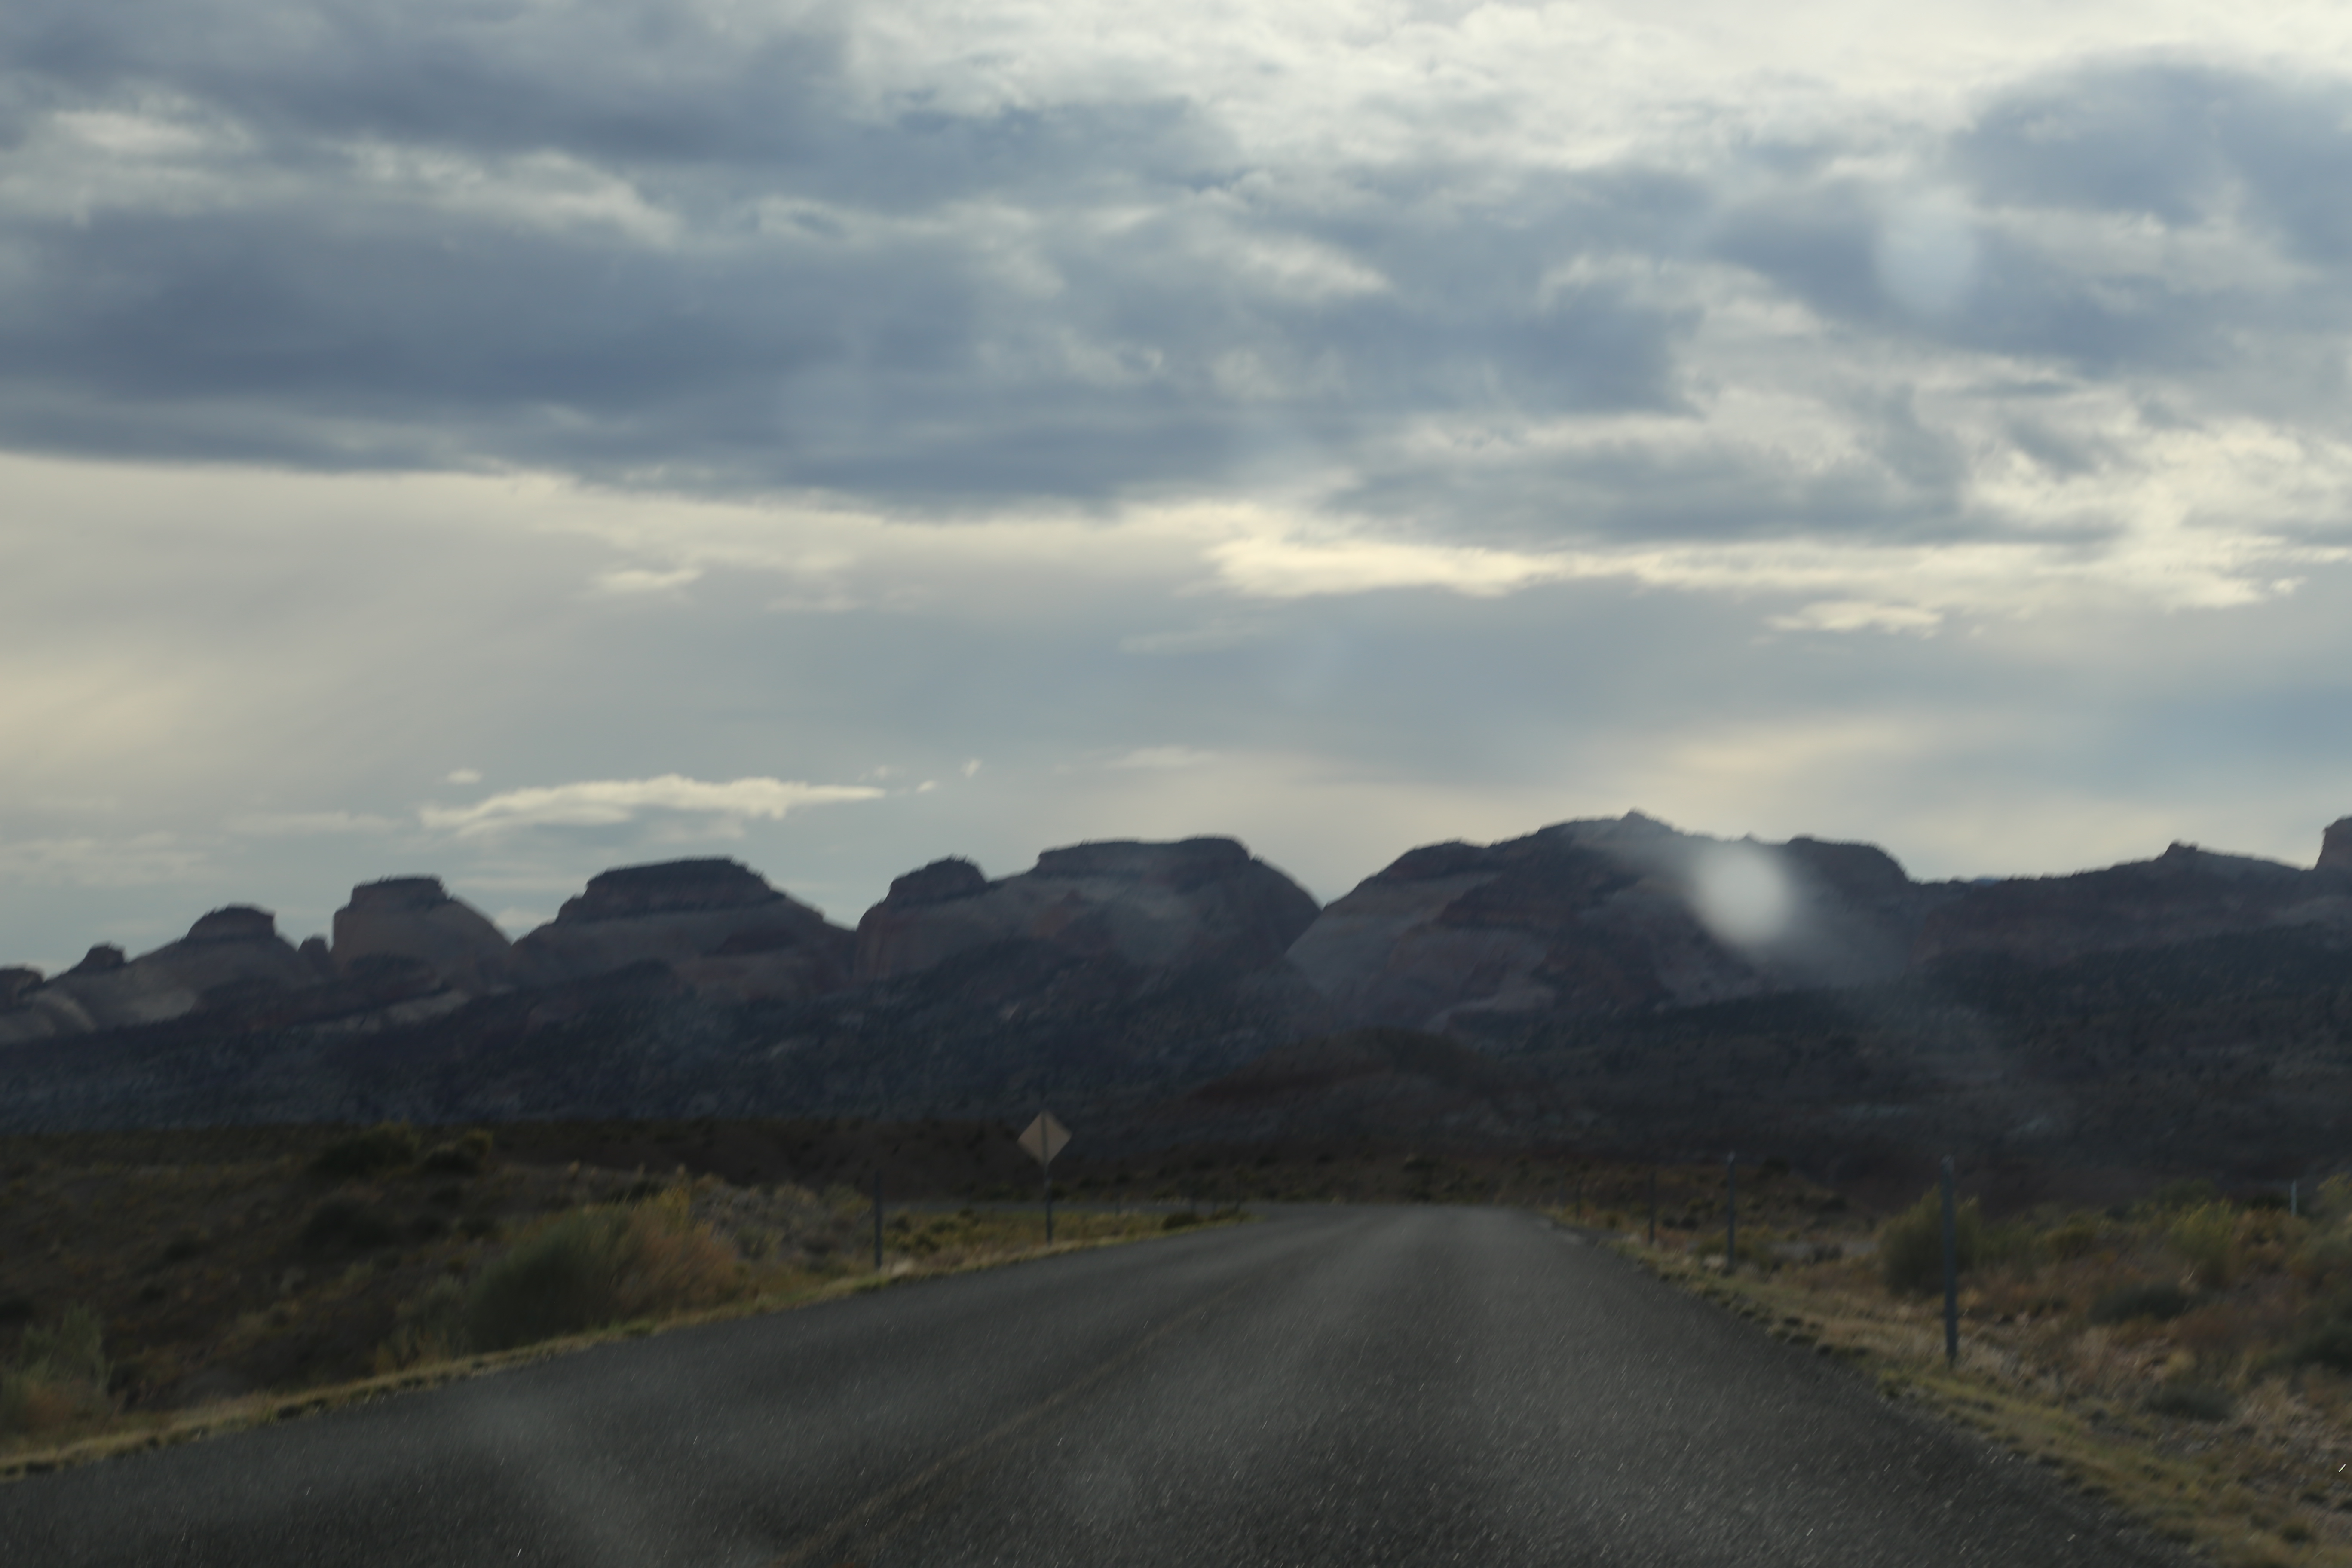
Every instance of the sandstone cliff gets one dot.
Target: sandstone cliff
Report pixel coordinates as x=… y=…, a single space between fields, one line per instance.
x=228 y=955
x=2335 y=846
x=1600 y=916
x=2186 y=894
x=1203 y=903
x=414 y=918
x=717 y=924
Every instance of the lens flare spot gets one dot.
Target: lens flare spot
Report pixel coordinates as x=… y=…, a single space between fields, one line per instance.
x=1741 y=895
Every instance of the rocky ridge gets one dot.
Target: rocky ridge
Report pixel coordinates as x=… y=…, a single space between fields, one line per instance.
x=1158 y=907
x=1642 y=975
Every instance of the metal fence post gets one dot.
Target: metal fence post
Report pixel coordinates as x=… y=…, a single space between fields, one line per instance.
x=1951 y=1271
x=878 y=1219
x=1654 y=1204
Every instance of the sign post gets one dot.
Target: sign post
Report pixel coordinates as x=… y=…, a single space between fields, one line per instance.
x=1044 y=1138
x=1731 y=1212
x=1951 y=1271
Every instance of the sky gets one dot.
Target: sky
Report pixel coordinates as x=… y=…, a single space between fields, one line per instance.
x=506 y=439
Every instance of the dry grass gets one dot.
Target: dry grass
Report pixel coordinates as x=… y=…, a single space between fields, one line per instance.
x=2185 y=1360
x=145 y=1303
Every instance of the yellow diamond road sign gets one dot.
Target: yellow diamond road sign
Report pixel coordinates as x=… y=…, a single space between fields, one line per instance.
x=1044 y=1138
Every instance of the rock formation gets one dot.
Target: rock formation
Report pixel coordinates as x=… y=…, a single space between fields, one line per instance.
x=718 y=924
x=2186 y=894
x=228 y=953
x=2335 y=846
x=416 y=917
x=1600 y=916
x=1645 y=977
x=1160 y=908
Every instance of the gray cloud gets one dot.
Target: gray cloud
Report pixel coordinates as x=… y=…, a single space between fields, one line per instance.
x=741 y=271
x=1980 y=385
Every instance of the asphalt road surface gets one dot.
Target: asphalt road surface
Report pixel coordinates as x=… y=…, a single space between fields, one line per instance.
x=1349 y=1386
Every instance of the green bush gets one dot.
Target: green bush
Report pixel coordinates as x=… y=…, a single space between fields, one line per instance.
x=1911 y=1245
x=2207 y=1238
x=592 y=1267
x=2160 y=1300
x=1179 y=1219
x=562 y=1280
x=392 y=1146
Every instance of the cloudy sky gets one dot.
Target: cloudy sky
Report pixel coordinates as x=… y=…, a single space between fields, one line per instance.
x=507 y=438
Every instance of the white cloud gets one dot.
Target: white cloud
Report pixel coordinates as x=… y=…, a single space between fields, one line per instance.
x=626 y=581
x=604 y=803
x=1858 y=615
x=1285 y=567
x=462 y=777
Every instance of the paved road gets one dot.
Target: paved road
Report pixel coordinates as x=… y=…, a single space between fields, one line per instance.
x=1332 y=1386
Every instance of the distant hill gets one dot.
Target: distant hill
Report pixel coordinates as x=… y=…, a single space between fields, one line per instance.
x=1610 y=983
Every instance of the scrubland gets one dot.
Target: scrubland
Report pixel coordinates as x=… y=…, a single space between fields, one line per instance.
x=143 y=1299
x=2186 y=1358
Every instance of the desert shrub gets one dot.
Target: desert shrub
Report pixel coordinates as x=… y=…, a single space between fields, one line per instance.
x=72 y=1347
x=430 y=1327
x=60 y=1375
x=2324 y=1256
x=596 y=1267
x=2160 y=1299
x=1911 y=1245
x=2191 y=1193
x=392 y=1146
x=2331 y=1202
x=2207 y=1239
x=1179 y=1219
x=2194 y=1401
x=464 y=1157
x=2073 y=1239
x=1755 y=1248
x=348 y=1222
